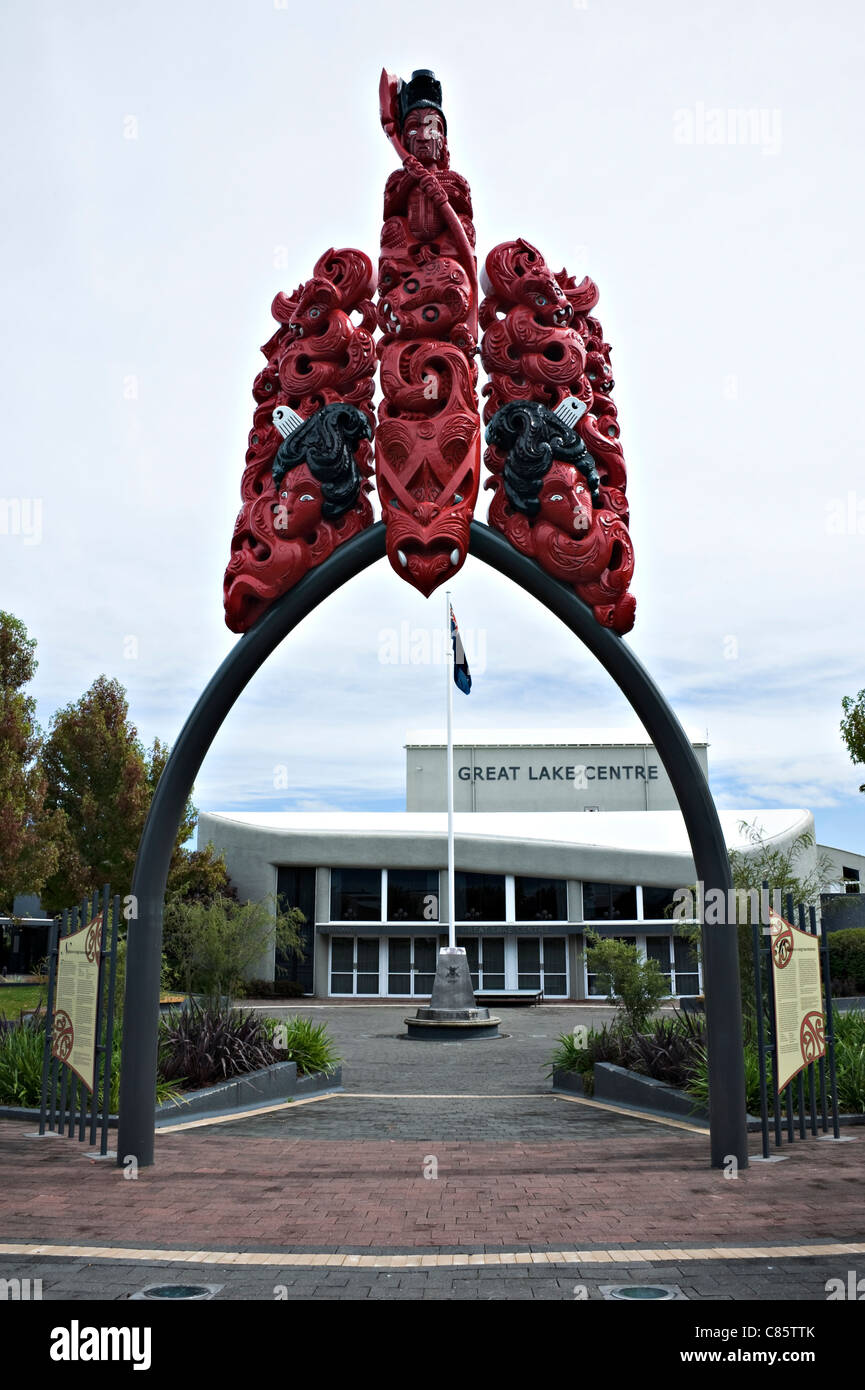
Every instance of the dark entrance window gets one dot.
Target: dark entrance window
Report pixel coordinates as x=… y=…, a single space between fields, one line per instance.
x=609 y=902
x=355 y=895
x=480 y=898
x=412 y=895
x=541 y=899
x=296 y=888
x=658 y=904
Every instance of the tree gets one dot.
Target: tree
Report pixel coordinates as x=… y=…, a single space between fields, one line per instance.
x=213 y=946
x=636 y=986
x=199 y=876
x=853 y=727
x=29 y=835
x=102 y=780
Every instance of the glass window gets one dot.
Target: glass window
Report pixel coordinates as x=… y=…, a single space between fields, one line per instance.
x=609 y=902
x=470 y=946
x=480 y=898
x=658 y=950
x=687 y=970
x=367 y=965
x=412 y=895
x=295 y=887
x=529 y=962
x=342 y=965
x=541 y=899
x=425 y=950
x=355 y=895
x=555 y=965
x=658 y=904
x=399 y=965
x=493 y=961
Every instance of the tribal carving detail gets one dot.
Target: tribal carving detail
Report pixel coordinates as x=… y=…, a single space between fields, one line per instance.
x=559 y=483
x=553 y=450
x=305 y=482
x=428 y=436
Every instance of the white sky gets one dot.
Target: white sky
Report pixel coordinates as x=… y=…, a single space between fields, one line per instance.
x=138 y=278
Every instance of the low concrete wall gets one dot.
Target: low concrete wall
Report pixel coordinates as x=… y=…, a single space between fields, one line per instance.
x=268 y=1086
x=622 y=1087
x=618 y=1086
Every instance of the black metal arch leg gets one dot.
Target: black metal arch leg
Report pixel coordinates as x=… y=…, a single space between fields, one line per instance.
x=720 y=945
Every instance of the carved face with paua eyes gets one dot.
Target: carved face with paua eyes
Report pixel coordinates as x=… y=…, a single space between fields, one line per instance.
x=565 y=500
x=297 y=510
x=424 y=135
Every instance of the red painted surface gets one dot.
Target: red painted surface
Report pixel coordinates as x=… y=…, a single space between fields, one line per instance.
x=542 y=343
x=427 y=443
x=317 y=356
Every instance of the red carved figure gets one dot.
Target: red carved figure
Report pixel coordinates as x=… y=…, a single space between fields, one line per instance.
x=304 y=485
x=558 y=470
x=428 y=436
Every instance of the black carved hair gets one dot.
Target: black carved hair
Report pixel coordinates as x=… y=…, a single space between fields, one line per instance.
x=326 y=443
x=422 y=89
x=532 y=437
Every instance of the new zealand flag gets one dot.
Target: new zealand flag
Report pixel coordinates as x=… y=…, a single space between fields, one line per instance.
x=462 y=674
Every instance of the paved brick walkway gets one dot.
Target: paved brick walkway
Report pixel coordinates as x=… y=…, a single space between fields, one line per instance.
x=516 y=1171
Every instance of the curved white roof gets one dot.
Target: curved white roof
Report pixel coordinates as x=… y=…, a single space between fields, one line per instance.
x=644 y=832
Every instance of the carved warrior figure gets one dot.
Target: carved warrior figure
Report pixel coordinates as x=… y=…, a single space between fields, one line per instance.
x=427 y=453
x=309 y=454
x=559 y=488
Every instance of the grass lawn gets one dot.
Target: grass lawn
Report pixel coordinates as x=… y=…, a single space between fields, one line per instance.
x=14 y=998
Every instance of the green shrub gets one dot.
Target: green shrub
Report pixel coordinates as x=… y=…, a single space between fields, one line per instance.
x=304 y=1042
x=669 y=1050
x=22 y=1045
x=847 y=958
x=202 y=1046
x=604 y=1045
x=849 y=1071
x=636 y=986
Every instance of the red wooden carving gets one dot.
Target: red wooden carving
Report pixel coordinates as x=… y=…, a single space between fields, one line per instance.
x=428 y=437
x=542 y=344
x=317 y=357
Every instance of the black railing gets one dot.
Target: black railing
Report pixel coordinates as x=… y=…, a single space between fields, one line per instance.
x=66 y=1097
x=794 y=1108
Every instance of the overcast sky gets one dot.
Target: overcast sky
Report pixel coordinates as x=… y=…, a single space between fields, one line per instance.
x=169 y=166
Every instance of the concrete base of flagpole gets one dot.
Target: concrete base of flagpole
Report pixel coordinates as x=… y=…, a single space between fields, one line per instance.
x=452 y=1014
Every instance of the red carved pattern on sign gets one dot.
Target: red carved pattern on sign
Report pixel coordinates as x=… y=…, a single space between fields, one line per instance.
x=62 y=1035
x=782 y=942
x=542 y=343
x=812 y=1036
x=93 y=940
x=317 y=356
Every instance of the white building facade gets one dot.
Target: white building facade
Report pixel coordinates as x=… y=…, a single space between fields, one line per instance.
x=556 y=834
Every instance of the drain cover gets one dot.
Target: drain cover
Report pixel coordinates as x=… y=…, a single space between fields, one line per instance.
x=187 y=1291
x=634 y=1293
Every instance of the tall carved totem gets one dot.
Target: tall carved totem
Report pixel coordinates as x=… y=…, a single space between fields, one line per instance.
x=556 y=463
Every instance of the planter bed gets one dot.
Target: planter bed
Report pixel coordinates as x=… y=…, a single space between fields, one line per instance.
x=257 y=1088
x=629 y=1089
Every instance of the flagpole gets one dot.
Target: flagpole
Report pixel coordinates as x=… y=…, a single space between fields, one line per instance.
x=449 y=670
